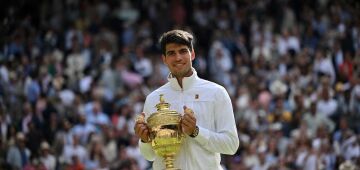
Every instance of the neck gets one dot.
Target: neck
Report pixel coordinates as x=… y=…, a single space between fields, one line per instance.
x=179 y=80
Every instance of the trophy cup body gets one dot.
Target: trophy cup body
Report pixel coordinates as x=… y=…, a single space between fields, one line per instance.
x=165 y=132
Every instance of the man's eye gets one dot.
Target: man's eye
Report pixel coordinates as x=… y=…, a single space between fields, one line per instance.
x=170 y=53
x=183 y=52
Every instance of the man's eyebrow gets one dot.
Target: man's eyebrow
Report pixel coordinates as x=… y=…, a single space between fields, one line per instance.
x=182 y=49
x=170 y=51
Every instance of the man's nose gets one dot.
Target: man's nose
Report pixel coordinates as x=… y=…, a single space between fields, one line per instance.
x=178 y=57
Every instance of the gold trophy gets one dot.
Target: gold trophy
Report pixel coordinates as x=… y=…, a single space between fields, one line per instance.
x=165 y=132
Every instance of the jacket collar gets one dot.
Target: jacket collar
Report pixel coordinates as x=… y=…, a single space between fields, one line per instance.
x=187 y=82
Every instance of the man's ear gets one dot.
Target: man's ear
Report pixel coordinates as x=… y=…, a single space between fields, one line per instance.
x=163 y=59
x=192 y=55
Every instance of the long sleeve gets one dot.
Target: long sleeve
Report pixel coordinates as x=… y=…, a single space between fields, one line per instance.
x=225 y=139
x=145 y=148
x=147 y=151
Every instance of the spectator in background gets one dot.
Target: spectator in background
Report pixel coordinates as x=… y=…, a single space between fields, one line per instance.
x=97 y=117
x=324 y=66
x=83 y=129
x=355 y=98
x=96 y=155
x=326 y=104
x=220 y=61
x=18 y=155
x=74 y=153
x=46 y=157
x=133 y=151
x=4 y=126
x=33 y=139
x=27 y=117
x=142 y=64
x=314 y=119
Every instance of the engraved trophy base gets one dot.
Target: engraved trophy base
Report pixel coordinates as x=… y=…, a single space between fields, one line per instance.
x=169 y=162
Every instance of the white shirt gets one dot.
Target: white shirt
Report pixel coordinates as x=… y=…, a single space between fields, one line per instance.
x=49 y=161
x=215 y=119
x=70 y=150
x=313 y=122
x=144 y=67
x=327 y=108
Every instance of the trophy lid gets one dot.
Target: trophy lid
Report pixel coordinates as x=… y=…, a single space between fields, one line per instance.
x=163 y=116
x=162 y=105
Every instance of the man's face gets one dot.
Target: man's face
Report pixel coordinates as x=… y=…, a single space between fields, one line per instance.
x=178 y=58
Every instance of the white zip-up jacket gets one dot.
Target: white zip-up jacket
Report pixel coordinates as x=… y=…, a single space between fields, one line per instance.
x=215 y=119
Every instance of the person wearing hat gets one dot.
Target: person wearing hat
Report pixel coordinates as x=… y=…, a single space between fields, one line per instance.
x=46 y=158
x=18 y=155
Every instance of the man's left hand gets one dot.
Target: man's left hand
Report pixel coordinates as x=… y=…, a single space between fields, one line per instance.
x=188 y=121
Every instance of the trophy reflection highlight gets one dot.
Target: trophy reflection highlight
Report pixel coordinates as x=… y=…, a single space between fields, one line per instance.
x=165 y=132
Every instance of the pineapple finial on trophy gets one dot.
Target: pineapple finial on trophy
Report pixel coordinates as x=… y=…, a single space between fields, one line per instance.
x=162 y=105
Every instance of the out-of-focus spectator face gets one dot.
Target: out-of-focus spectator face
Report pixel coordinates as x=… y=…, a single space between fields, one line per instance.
x=325 y=147
x=20 y=139
x=272 y=145
x=264 y=99
x=97 y=107
x=343 y=124
x=53 y=118
x=242 y=125
x=139 y=52
x=325 y=94
x=44 y=148
x=31 y=126
x=78 y=100
x=122 y=155
x=125 y=110
x=219 y=53
x=252 y=149
x=318 y=55
x=76 y=140
x=262 y=156
x=75 y=45
x=134 y=140
x=82 y=119
x=27 y=108
x=75 y=159
x=322 y=132
x=299 y=100
x=66 y=125
x=279 y=102
x=237 y=164
x=98 y=147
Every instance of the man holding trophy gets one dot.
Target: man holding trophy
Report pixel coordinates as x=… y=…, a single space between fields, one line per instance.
x=188 y=122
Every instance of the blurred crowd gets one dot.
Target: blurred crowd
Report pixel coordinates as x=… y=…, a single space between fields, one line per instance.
x=75 y=73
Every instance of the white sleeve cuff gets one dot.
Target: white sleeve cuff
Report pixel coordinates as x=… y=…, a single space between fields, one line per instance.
x=147 y=151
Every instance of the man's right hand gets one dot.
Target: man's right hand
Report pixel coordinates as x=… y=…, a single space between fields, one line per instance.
x=141 y=128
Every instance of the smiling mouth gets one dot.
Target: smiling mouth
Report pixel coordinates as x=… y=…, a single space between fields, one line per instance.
x=178 y=65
